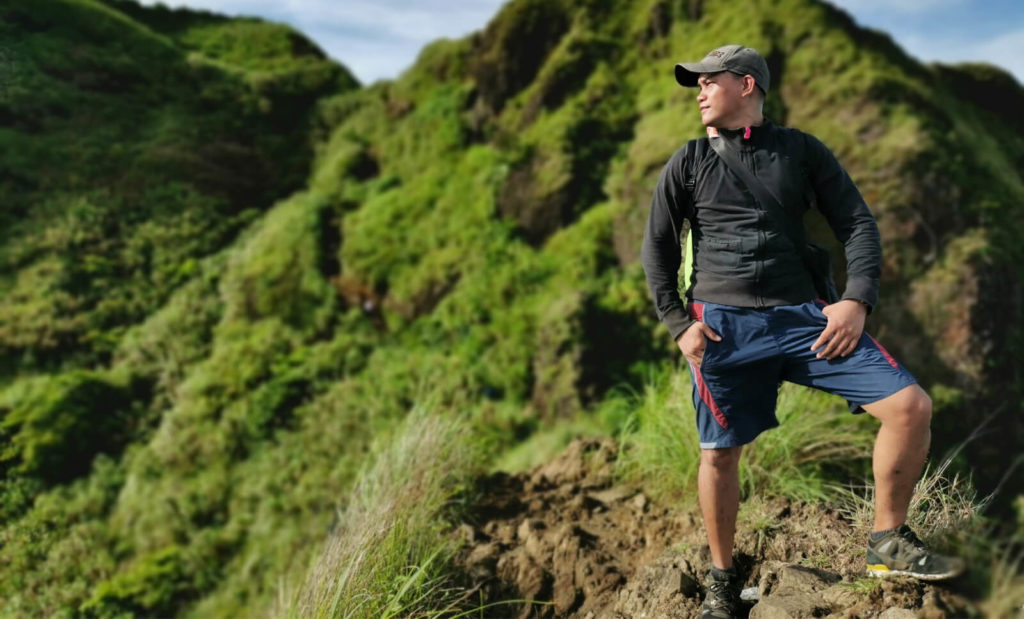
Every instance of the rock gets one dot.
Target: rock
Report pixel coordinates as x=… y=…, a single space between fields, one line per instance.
x=769 y=579
x=528 y=527
x=801 y=579
x=567 y=592
x=505 y=533
x=841 y=597
x=669 y=580
x=640 y=502
x=792 y=591
x=933 y=607
x=530 y=534
x=898 y=613
x=533 y=582
x=612 y=495
x=790 y=606
x=483 y=560
x=466 y=533
x=581 y=462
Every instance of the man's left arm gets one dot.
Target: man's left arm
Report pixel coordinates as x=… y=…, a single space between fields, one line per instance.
x=855 y=227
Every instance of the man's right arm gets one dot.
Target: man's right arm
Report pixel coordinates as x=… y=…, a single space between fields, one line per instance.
x=662 y=250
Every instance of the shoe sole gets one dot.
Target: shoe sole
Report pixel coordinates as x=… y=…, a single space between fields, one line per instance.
x=882 y=571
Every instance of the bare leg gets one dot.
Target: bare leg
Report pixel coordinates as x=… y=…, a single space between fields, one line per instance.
x=900 y=450
x=718 y=486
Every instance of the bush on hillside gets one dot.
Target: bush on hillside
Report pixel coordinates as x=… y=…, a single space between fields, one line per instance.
x=53 y=426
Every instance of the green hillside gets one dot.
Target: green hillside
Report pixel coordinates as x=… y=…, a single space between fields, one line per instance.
x=237 y=286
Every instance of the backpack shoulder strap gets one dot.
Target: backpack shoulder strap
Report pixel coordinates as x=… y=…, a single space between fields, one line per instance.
x=764 y=196
x=694 y=155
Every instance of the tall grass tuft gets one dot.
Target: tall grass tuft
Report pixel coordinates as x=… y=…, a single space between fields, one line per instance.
x=948 y=514
x=941 y=503
x=1005 y=582
x=817 y=448
x=659 y=449
x=389 y=555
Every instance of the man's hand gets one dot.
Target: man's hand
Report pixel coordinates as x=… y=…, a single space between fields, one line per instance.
x=693 y=341
x=841 y=334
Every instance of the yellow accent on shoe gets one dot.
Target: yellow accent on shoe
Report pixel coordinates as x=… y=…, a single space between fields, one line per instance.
x=878 y=568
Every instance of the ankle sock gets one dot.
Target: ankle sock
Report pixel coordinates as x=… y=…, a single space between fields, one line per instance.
x=877 y=535
x=718 y=574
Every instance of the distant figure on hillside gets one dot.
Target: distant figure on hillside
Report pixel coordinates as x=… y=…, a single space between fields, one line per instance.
x=755 y=313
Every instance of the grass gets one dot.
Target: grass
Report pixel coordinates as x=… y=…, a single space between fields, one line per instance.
x=817 y=446
x=863 y=586
x=1006 y=582
x=388 y=555
x=144 y=148
x=948 y=515
x=943 y=501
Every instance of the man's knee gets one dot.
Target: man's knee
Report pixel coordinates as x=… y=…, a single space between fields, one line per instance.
x=910 y=409
x=724 y=459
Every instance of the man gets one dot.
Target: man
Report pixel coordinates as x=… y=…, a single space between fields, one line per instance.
x=754 y=318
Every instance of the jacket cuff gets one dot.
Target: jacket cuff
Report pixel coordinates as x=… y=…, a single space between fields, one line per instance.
x=862 y=289
x=677 y=321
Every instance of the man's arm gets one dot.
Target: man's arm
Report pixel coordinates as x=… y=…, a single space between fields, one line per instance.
x=854 y=225
x=851 y=221
x=662 y=250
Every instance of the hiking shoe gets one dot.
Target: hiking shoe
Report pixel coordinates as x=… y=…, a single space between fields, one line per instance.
x=722 y=600
x=900 y=553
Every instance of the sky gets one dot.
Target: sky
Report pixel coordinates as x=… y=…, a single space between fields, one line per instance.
x=378 y=39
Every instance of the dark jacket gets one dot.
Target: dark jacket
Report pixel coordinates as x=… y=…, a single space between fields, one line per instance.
x=740 y=258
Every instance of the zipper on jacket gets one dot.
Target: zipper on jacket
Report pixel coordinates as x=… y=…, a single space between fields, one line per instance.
x=760 y=250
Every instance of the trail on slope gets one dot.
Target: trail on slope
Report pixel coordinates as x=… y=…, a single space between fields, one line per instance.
x=574 y=543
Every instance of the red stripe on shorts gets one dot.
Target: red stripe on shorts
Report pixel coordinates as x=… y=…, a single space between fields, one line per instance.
x=705 y=394
x=885 y=353
x=696 y=311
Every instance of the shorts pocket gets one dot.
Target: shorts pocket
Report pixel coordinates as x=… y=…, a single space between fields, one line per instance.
x=710 y=346
x=709 y=349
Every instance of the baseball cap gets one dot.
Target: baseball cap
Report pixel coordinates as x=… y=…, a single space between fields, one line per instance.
x=734 y=58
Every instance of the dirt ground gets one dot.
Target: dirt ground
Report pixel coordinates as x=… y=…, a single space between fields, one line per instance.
x=563 y=540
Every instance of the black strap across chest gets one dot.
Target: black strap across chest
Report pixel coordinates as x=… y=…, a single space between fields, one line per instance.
x=777 y=216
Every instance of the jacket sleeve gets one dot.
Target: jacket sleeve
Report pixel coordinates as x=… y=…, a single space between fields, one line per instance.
x=661 y=252
x=851 y=221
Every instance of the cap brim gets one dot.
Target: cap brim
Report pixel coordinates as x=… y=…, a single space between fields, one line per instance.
x=687 y=73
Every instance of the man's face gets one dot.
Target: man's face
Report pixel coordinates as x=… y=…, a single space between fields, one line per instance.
x=720 y=99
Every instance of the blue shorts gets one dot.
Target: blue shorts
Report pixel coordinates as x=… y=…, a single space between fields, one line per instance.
x=735 y=389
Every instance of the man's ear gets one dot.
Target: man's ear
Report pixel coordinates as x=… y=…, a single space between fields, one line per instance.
x=749 y=85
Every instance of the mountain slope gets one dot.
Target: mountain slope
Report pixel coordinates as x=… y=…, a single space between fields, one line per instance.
x=215 y=236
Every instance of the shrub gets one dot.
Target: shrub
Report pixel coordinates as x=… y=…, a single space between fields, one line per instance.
x=54 y=426
x=154 y=586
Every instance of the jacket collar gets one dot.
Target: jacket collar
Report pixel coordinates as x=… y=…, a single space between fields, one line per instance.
x=748 y=137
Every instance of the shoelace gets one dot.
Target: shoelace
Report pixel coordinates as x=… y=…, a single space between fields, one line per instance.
x=908 y=535
x=726 y=595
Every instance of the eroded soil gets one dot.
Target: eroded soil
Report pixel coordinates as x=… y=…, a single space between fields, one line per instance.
x=563 y=540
